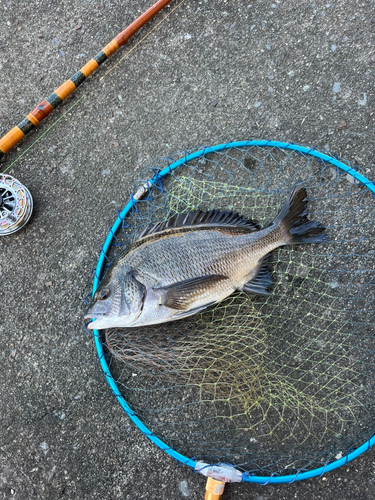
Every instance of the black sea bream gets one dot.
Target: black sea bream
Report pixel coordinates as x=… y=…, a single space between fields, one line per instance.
x=179 y=267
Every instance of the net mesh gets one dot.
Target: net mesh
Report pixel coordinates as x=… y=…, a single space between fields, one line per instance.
x=270 y=385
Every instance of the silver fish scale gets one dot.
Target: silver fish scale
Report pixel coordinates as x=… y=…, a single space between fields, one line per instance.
x=199 y=253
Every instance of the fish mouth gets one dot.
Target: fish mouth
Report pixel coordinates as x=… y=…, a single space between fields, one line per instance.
x=95 y=316
x=97 y=312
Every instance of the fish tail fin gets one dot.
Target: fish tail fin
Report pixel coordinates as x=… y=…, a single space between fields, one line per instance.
x=293 y=218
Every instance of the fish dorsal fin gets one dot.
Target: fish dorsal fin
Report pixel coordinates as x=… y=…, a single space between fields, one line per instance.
x=192 y=221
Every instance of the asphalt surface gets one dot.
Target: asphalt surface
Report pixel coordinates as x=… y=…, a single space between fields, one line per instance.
x=212 y=72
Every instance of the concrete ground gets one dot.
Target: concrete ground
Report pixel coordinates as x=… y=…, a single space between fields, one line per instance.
x=214 y=71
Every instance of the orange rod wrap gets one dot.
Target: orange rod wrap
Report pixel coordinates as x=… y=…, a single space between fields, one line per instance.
x=48 y=105
x=11 y=139
x=111 y=48
x=65 y=89
x=89 y=67
x=33 y=120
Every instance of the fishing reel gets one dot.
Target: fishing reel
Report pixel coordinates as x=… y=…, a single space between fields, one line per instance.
x=16 y=205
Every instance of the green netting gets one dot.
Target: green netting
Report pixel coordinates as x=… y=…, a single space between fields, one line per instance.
x=274 y=384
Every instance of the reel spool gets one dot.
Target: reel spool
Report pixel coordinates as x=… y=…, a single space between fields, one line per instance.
x=16 y=205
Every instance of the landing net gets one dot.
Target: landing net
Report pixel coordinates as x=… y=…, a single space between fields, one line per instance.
x=274 y=385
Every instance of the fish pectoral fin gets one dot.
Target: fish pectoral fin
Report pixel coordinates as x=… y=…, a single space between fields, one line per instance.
x=261 y=280
x=184 y=314
x=183 y=294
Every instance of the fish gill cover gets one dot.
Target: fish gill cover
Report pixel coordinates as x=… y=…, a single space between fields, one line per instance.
x=275 y=384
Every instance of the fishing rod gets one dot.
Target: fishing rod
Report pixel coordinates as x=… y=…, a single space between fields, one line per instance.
x=32 y=120
x=16 y=202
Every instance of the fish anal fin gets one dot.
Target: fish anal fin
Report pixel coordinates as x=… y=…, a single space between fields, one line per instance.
x=182 y=295
x=261 y=280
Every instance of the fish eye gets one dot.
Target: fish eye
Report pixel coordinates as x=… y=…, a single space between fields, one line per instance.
x=103 y=294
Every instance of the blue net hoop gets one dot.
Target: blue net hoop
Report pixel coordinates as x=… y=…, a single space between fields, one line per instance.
x=274 y=478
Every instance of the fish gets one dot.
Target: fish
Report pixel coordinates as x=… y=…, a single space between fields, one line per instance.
x=181 y=266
